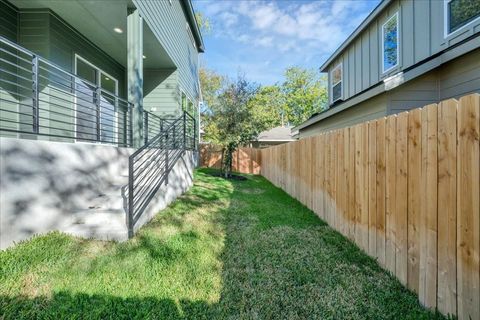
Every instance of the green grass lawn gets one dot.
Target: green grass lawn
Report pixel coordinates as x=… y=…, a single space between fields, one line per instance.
x=224 y=250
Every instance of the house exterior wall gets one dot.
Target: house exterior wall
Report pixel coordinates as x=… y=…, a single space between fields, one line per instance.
x=8 y=21
x=168 y=22
x=368 y=110
x=163 y=97
x=421 y=35
x=451 y=80
x=75 y=188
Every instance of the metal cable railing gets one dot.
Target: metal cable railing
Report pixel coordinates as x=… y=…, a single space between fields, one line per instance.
x=40 y=98
x=149 y=166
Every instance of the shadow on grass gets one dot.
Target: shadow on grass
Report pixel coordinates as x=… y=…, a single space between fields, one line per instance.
x=278 y=261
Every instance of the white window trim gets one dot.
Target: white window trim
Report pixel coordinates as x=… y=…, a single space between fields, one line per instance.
x=446 y=21
x=396 y=15
x=98 y=83
x=340 y=65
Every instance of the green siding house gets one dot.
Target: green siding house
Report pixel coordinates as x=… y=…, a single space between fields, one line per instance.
x=404 y=55
x=138 y=53
x=98 y=114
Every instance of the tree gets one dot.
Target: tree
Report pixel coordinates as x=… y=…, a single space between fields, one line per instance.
x=305 y=93
x=268 y=107
x=210 y=84
x=203 y=23
x=230 y=121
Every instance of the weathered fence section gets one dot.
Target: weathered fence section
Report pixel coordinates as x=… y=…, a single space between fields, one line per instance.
x=406 y=189
x=245 y=160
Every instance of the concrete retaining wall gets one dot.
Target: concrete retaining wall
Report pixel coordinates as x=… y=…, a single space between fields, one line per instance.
x=75 y=188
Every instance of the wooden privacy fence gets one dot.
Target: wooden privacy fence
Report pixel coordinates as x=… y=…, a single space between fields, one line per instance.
x=245 y=160
x=406 y=189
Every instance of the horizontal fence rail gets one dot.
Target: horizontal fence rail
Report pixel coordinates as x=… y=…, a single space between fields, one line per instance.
x=40 y=98
x=150 y=165
x=405 y=189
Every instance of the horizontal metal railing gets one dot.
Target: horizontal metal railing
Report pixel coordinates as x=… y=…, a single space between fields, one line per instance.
x=153 y=124
x=38 y=97
x=150 y=165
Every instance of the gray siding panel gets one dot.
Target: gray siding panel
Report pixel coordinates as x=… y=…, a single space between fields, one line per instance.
x=168 y=23
x=351 y=74
x=65 y=42
x=8 y=21
x=422 y=34
x=460 y=77
x=372 y=109
x=164 y=97
x=365 y=61
x=406 y=16
x=33 y=32
x=358 y=66
x=374 y=55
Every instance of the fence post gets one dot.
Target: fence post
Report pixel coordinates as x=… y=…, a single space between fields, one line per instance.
x=130 y=198
x=35 y=96
x=145 y=126
x=98 y=100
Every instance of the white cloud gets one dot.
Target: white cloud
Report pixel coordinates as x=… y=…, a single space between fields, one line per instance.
x=288 y=32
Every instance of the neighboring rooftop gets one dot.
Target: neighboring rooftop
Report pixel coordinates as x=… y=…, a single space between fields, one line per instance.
x=281 y=133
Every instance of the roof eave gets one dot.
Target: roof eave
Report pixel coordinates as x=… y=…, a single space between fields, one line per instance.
x=378 y=9
x=193 y=22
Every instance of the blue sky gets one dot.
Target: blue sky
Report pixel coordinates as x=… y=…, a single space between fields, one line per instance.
x=262 y=38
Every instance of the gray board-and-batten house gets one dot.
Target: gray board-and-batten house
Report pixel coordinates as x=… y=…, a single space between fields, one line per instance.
x=97 y=99
x=404 y=55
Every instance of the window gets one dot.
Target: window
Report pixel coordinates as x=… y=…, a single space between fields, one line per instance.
x=336 y=78
x=89 y=78
x=390 y=43
x=459 y=13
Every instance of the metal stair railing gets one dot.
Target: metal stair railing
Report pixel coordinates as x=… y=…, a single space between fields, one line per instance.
x=150 y=165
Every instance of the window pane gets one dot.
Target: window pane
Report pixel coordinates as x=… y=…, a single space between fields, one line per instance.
x=86 y=71
x=462 y=12
x=108 y=84
x=337 y=91
x=337 y=75
x=390 y=43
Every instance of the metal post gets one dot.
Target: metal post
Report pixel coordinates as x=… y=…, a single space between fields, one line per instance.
x=184 y=130
x=174 y=136
x=35 y=96
x=145 y=127
x=195 y=134
x=130 y=111
x=161 y=125
x=130 y=198
x=98 y=92
x=166 y=158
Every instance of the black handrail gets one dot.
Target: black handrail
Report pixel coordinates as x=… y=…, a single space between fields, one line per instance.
x=150 y=165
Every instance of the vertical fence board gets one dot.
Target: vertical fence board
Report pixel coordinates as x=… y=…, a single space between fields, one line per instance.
x=447 y=224
x=401 y=256
x=380 y=189
x=468 y=220
x=390 y=174
x=372 y=188
x=351 y=184
x=405 y=188
x=414 y=193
